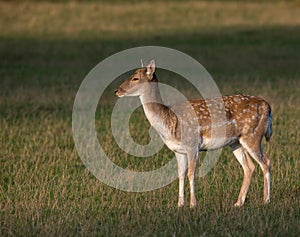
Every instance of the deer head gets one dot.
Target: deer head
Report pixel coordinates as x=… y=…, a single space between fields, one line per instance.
x=136 y=84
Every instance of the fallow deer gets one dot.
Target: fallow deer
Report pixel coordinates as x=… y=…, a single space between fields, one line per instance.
x=247 y=119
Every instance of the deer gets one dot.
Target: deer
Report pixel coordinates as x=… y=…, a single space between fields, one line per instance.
x=247 y=119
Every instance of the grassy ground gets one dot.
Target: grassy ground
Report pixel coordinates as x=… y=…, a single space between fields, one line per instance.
x=46 y=49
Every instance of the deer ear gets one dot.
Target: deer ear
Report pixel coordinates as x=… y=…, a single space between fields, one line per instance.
x=150 y=69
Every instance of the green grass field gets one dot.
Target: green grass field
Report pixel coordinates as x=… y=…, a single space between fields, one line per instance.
x=46 y=50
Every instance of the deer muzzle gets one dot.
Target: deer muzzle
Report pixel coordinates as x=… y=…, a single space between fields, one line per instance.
x=120 y=92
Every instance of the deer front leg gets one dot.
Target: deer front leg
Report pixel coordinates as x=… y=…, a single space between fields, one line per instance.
x=192 y=165
x=182 y=166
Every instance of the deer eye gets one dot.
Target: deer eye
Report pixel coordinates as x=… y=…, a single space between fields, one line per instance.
x=135 y=79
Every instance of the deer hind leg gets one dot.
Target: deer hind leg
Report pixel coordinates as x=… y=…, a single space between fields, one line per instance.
x=255 y=150
x=182 y=162
x=192 y=165
x=244 y=159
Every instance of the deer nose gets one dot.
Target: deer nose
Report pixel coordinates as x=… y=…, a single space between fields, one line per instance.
x=116 y=90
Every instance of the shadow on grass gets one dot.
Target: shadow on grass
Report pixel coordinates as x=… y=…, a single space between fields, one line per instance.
x=269 y=53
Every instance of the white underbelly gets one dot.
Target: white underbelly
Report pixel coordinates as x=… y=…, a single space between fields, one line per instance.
x=216 y=143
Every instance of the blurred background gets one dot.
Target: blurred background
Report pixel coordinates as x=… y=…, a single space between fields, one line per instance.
x=46 y=50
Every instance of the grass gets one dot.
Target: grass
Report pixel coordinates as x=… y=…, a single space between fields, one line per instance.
x=47 y=48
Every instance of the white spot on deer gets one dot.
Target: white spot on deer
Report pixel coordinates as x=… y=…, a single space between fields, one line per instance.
x=237 y=100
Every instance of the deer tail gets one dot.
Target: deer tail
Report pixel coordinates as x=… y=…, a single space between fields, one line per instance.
x=268 y=131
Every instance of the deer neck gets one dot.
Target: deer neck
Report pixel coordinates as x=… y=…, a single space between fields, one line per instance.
x=153 y=106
